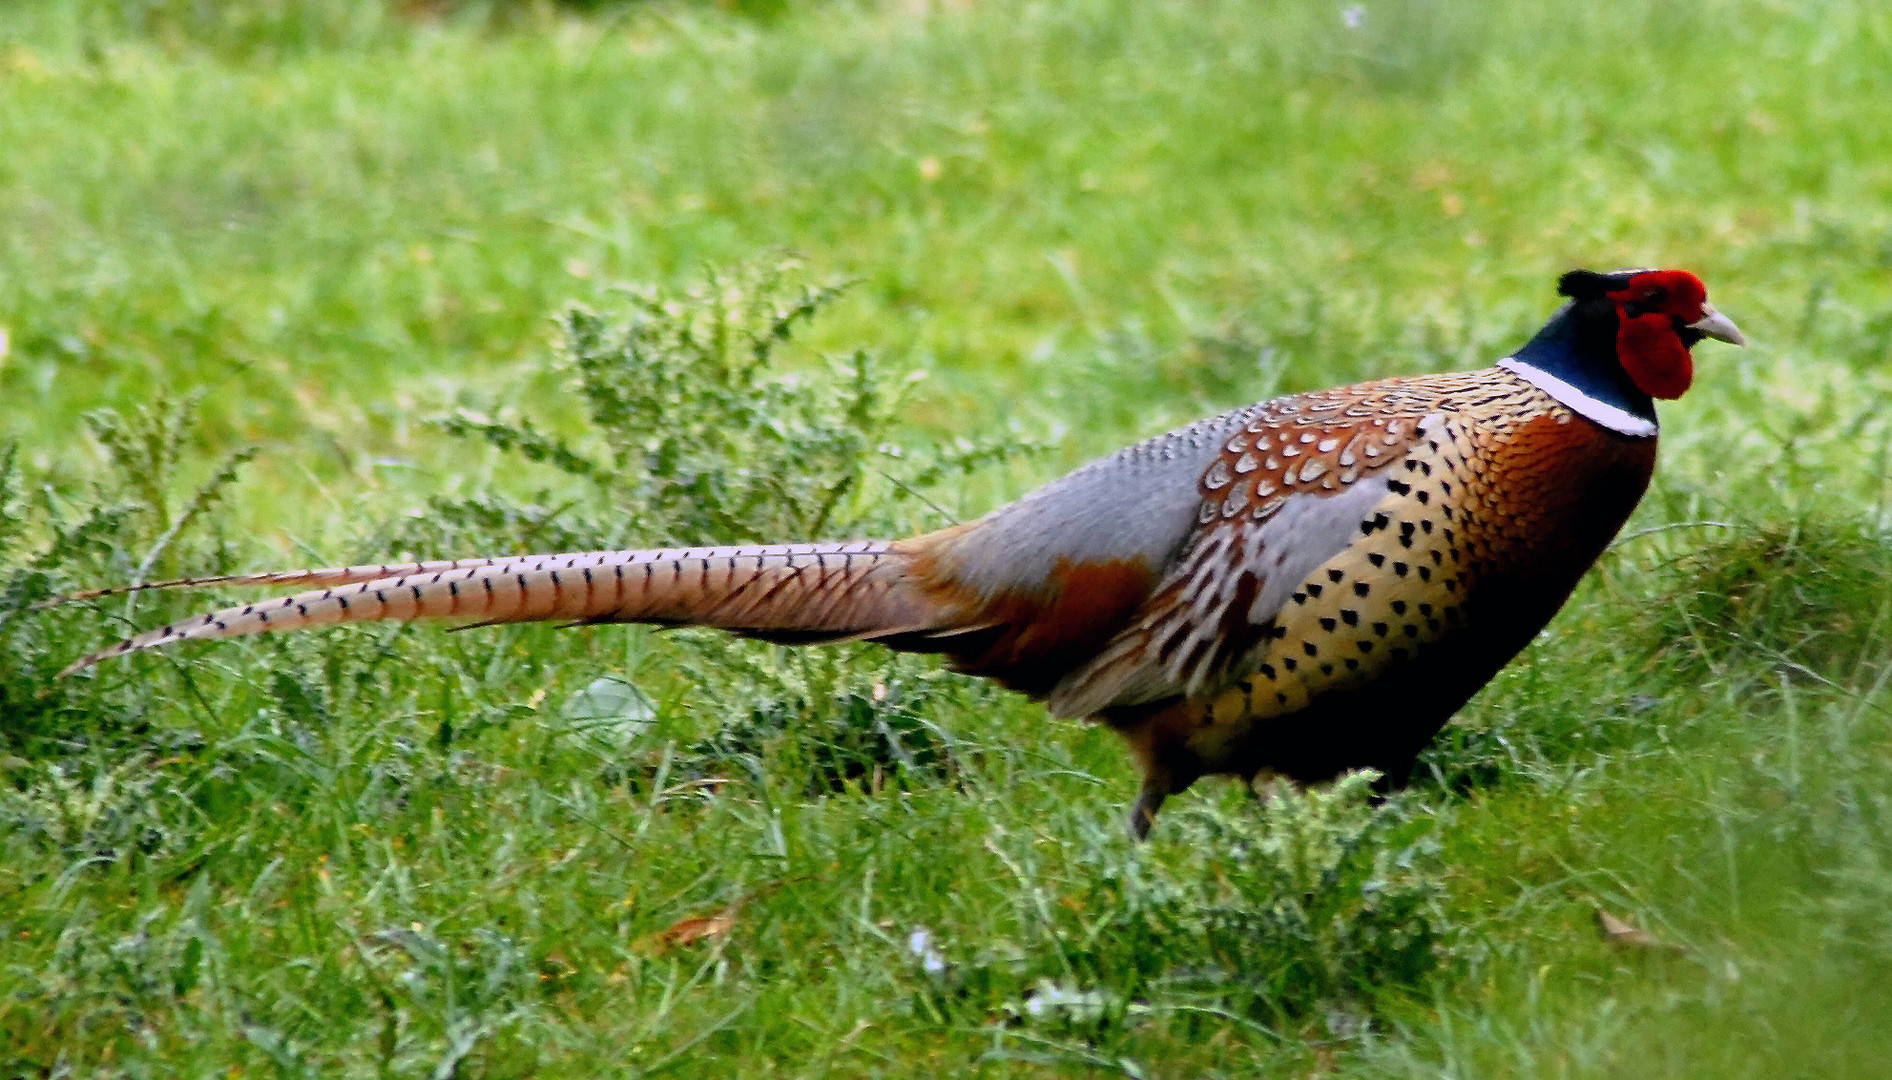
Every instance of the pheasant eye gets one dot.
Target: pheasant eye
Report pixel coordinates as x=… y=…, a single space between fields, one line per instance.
x=1653 y=296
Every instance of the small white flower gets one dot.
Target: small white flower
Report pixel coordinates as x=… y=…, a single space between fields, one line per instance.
x=1354 y=15
x=920 y=944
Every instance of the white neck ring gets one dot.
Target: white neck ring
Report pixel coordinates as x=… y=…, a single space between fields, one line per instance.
x=1610 y=416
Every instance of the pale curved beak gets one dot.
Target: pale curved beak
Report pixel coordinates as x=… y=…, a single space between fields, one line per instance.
x=1718 y=326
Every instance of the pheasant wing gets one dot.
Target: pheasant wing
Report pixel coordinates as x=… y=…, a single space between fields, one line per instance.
x=1301 y=483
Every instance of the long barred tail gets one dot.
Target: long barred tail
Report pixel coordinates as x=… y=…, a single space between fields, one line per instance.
x=779 y=592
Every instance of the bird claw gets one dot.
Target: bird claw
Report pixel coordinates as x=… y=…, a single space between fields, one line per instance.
x=1143 y=811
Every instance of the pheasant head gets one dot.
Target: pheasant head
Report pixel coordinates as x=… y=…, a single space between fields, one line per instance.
x=1622 y=341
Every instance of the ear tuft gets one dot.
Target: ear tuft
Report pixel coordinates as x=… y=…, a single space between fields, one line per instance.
x=1583 y=285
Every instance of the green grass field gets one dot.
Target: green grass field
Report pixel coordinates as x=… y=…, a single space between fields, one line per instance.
x=291 y=284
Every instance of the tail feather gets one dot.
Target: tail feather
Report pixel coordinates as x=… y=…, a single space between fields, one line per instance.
x=332 y=576
x=798 y=592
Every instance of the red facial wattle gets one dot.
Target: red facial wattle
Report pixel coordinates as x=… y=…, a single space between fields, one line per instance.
x=1653 y=354
x=1648 y=344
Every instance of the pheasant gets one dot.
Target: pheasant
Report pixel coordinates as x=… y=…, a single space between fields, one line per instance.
x=1296 y=589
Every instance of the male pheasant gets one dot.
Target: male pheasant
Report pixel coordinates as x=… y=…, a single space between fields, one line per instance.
x=1301 y=587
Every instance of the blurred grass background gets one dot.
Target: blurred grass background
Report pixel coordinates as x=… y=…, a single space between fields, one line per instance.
x=1082 y=221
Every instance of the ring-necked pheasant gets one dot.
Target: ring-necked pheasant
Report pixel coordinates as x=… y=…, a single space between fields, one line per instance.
x=1301 y=587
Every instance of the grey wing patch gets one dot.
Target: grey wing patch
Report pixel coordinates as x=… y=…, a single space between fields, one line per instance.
x=1222 y=598
x=1139 y=505
x=1302 y=536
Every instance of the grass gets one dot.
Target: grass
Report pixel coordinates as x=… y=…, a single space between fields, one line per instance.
x=405 y=852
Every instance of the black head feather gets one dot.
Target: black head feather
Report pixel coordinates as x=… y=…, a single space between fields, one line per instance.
x=1583 y=285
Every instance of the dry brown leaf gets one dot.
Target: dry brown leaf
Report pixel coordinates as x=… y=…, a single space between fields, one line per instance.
x=1618 y=932
x=698 y=927
x=694 y=929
